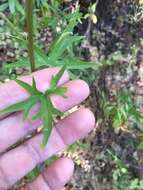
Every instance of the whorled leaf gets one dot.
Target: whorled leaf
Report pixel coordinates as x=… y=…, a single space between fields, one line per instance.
x=56 y=78
x=47 y=111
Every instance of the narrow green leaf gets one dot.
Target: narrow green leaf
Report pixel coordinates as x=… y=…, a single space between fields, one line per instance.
x=3 y=6
x=54 y=110
x=74 y=19
x=33 y=174
x=26 y=86
x=23 y=62
x=76 y=63
x=51 y=160
x=30 y=103
x=57 y=112
x=61 y=91
x=47 y=119
x=140 y=146
x=14 y=108
x=47 y=128
x=37 y=92
x=12 y=5
x=62 y=43
x=57 y=77
x=20 y=8
x=40 y=54
x=34 y=83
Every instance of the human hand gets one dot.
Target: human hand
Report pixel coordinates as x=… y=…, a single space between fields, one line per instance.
x=18 y=161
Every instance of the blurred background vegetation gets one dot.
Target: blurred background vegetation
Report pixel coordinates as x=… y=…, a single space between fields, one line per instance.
x=102 y=43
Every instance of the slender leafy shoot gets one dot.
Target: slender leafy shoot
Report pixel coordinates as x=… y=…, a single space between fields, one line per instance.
x=29 y=4
x=47 y=111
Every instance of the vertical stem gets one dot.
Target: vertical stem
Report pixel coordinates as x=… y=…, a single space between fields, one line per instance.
x=29 y=5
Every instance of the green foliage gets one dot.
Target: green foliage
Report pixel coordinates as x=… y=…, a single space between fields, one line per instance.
x=33 y=174
x=61 y=50
x=120 y=173
x=122 y=110
x=13 y=5
x=78 y=145
x=41 y=3
x=36 y=171
x=138 y=14
x=91 y=13
x=47 y=110
x=136 y=184
x=122 y=179
x=51 y=160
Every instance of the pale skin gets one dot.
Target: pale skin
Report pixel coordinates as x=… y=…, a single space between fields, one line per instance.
x=17 y=162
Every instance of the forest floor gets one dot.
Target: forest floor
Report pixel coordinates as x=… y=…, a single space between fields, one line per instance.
x=115 y=36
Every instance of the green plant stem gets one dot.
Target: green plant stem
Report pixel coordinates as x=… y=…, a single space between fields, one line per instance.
x=29 y=4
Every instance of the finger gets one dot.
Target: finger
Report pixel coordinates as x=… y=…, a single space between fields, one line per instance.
x=19 y=161
x=54 y=177
x=12 y=93
x=13 y=128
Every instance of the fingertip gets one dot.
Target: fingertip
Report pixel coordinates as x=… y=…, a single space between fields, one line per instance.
x=86 y=121
x=88 y=118
x=68 y=163
x=76 y=126
x=81 y=87
x=59 y=173
x=65 y=77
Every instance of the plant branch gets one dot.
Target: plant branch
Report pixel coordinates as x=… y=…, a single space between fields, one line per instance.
x=29 y=5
